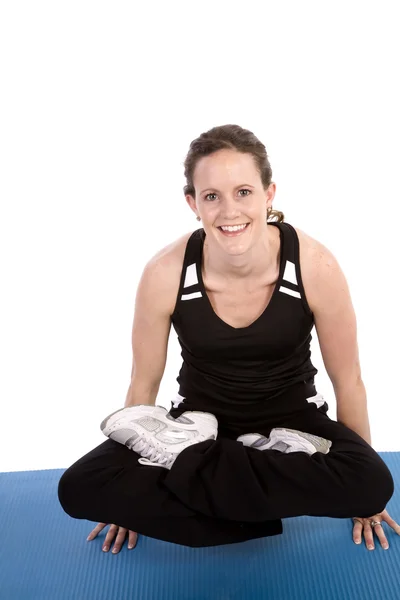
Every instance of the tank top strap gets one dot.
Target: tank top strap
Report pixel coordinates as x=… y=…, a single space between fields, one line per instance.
x=292 y=282
x=189 y=286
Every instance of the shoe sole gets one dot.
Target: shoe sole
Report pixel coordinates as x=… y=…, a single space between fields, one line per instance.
x=185 y=421
x=296 y=441
x=108 y=422
x=307 y=441
x=119 y=427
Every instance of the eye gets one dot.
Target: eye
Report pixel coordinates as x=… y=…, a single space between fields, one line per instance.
x=206 y=197
x=242 y=190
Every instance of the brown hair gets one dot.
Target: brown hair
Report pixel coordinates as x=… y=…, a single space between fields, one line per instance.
x=232 y=137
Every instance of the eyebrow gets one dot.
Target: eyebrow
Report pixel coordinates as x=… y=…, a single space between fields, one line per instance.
x=236 y=188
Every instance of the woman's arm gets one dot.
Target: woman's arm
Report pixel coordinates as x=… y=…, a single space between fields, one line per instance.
x=329 y=298
x=154 y=305
x=150 y=333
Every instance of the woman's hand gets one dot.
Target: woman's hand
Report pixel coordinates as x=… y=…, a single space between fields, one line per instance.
x=121 y=534
x=365 y=524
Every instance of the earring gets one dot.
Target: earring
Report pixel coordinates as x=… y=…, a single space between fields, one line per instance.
x=198 y=218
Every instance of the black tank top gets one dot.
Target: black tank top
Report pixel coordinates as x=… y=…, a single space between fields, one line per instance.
x=244 y=376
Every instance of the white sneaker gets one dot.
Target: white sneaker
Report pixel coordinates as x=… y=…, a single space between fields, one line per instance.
x=154 y=434
x=286 y=441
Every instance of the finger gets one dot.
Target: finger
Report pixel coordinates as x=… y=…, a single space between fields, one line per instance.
x=381 y=536
x=133 y=537
x=357 y=529
x=95 y=531
x=119 y=540
x=369 y=536
x=392 y=523
x=109 y=537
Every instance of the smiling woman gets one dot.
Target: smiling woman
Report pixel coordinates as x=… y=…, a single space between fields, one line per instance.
x=247 y=426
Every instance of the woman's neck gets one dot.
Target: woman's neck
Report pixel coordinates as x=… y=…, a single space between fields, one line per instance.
x=259 y=261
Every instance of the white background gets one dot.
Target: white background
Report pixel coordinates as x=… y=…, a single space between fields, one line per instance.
x=99 y=103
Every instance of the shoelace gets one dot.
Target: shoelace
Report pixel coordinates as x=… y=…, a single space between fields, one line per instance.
x=151 y=455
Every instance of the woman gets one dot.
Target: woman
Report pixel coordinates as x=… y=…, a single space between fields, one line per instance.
x=247 y=441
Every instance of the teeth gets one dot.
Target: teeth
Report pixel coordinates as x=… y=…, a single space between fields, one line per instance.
x=234 y=228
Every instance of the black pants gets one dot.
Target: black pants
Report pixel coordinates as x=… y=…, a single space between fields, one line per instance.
x=221 y=492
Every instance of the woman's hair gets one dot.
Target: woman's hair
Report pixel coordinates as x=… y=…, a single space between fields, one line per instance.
x=232 y=137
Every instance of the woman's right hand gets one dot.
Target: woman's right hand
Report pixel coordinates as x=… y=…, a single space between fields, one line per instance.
x=114 y=530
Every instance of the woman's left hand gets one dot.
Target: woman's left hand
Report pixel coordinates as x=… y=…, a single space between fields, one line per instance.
x=365 y=524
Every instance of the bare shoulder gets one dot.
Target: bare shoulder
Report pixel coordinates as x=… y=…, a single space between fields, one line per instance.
x=320 y=270
x=162 y=273
x=170 y=257
x=313 y=254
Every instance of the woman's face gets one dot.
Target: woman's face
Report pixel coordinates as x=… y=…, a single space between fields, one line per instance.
x=229 y=192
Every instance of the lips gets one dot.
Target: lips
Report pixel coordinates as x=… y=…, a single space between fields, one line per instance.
x=234 y=233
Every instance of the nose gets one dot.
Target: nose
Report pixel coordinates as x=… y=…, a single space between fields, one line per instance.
x=230 y=208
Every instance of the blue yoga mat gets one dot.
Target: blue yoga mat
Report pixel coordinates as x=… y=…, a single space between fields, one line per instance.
x=44 y=556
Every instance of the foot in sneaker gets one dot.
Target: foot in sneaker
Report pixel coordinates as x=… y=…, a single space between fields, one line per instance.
x=154 y=434
x=286 y=441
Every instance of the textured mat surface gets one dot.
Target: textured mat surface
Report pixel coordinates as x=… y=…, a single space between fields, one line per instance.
x=44 y=556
